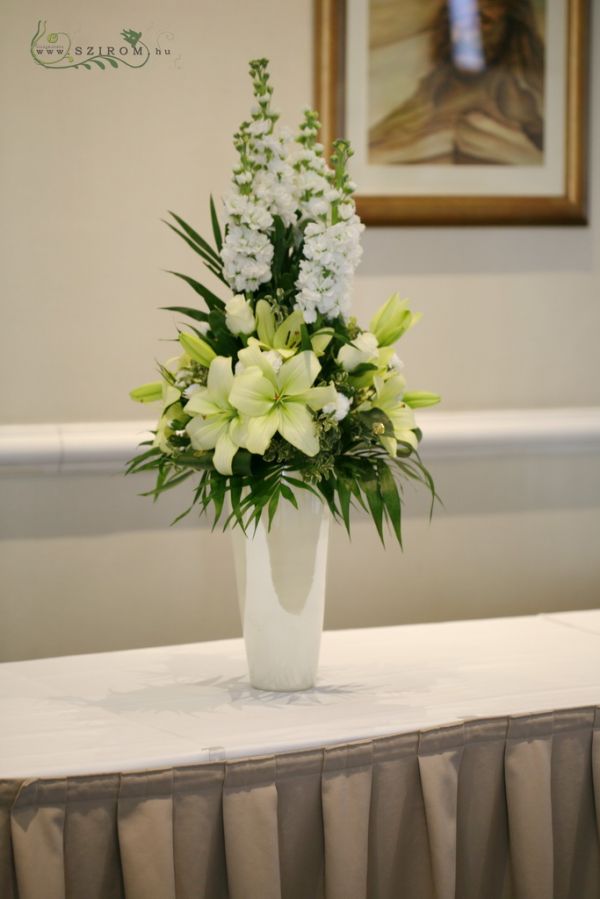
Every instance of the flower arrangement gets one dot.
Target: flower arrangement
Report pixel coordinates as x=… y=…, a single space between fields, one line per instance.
x=276 y=388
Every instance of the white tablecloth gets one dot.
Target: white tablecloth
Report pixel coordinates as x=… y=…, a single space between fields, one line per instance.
x=169 y=706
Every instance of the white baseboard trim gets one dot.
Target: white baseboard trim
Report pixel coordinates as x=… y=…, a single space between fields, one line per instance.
x=105 y=446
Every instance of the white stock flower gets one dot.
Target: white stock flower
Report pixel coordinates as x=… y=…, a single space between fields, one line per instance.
x=247 y=256
x=279 y=176
x=259 y=126
x=331 y=255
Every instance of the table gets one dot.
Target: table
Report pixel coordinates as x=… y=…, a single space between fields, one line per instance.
x=432 y=761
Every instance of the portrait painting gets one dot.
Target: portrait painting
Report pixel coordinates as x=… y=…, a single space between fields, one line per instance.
x=458 y=111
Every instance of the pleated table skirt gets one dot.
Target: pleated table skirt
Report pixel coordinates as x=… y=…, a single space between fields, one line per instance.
x=505 y=808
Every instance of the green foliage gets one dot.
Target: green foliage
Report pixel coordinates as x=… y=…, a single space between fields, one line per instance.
x=352 y=469
x=363 y=477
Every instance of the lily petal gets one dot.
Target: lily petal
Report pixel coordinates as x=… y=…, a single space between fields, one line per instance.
x=390 y=391
x=299 y=373
x=288 y=332
x=238 y=430
x=225 y=450
x=170 y=395
x=390 y=444
x=252 y=355
x=407 y=437
x=204 y=432
x=298 y=428
x=260 y=431
x=317 y=397
x=252 y=393
x=201 y=404
x=321 y=339
x=265 y=322
x=401 y=417
x=220 y=380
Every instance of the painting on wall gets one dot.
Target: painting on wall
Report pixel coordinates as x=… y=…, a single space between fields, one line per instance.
x=459 y=111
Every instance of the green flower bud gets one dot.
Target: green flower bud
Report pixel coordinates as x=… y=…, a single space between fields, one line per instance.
x=197 y=348
x=147 y=393
x=392 y=320
x=418 y=399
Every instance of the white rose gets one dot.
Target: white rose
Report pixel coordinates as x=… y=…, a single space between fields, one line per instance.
x=363 y=349
x=339 y=408
x=395 y=363
x=239 y=317
x=274 y=359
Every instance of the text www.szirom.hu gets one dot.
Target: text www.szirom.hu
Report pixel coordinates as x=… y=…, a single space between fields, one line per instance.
x=99 y=51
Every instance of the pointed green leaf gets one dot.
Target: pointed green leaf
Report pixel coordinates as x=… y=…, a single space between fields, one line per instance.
x=371 y=490
x=182 y=515
x=162 y=484
x=208 y=260
x=196 y=314
x=305 y=338
x=217 y=495
x=289 y=495
x=203 y=244
x=344 y=498
x=211 y=299
x=326 y=487
x=301 y=485
x=272 y=509
x=391 y=498
x=216 y=228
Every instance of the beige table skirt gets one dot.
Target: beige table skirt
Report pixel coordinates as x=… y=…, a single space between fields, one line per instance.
x=488 y=809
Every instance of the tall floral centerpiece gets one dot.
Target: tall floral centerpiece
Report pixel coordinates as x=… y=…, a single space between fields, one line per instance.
x=277 y=402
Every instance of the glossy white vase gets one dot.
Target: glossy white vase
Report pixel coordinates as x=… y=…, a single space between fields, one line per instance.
x=281 y=588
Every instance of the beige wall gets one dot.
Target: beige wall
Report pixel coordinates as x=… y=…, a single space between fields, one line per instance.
x=90 y=162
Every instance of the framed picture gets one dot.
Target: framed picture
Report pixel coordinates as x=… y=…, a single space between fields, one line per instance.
x=460 y=112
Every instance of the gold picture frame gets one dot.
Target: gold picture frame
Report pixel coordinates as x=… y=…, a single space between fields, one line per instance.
x=563 y=206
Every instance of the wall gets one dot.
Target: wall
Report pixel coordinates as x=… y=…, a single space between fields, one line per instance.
x=90 y=162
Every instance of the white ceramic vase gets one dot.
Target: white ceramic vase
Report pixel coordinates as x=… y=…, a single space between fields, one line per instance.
x=281 y=588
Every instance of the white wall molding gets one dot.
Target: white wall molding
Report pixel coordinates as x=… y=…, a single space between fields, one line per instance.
x=105 y=446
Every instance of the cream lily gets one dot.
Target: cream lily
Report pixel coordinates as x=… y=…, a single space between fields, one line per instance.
x=279 y=402
x=389 y=398
x=170 y=396
x=164 y=430
x=382 y=368
x=215 y=423
x=285 y=338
